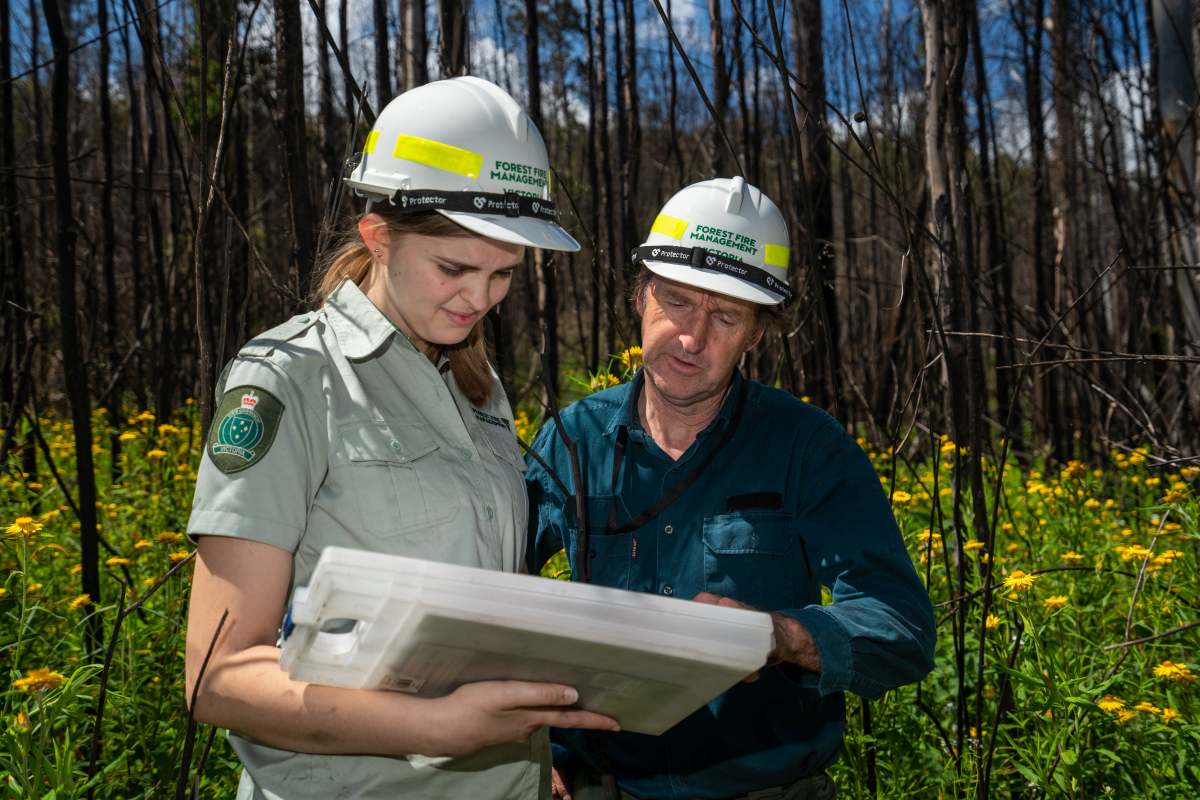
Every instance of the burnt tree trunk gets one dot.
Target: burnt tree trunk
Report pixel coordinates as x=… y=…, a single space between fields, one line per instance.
x=74 y=375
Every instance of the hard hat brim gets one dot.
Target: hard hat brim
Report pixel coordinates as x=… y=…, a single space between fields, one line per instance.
x=713 y=282
x=516 y=230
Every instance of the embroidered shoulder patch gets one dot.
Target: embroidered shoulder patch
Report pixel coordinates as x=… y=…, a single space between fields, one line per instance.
x=244 y=427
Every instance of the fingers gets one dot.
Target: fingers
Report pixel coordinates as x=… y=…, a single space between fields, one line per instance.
x=558 y=786
x=577 y=718
x=526 y=694
x=719 y=600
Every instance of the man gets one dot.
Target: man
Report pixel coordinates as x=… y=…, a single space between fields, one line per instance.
x=701 y=484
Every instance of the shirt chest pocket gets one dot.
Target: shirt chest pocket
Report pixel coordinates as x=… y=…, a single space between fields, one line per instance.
x=759 y=558
x=399 y=478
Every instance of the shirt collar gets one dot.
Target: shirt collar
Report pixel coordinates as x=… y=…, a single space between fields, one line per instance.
x=627 y=413
x=361 y=328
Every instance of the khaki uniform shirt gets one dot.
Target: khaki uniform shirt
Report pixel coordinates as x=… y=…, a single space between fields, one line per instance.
x=334 y=430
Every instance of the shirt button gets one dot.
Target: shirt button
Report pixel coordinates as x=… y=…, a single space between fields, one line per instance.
x=668 y=530
x=668 y=591
x=395 y=444
x=490 y=512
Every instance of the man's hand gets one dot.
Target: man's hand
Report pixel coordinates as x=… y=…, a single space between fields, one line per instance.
x=793 y=643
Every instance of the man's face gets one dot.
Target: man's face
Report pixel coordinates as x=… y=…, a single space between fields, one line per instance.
x=692 y=339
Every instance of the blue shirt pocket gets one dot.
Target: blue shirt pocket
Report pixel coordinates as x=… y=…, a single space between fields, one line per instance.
x=611 y=554
x=758 y=558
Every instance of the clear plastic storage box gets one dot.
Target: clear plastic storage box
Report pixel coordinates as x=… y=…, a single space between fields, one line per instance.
x=375 y=621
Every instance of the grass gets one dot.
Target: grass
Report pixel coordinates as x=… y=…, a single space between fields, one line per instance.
x=1028 y=690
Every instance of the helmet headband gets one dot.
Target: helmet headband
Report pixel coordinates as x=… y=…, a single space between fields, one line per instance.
x=710 y=261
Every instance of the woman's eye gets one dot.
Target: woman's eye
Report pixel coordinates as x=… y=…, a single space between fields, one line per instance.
x=504 y=274
x=453 y=272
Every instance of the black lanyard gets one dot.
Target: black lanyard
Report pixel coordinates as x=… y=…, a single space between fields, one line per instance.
x=678 y=489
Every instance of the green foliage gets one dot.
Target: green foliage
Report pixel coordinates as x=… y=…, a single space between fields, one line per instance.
x=1082 y=558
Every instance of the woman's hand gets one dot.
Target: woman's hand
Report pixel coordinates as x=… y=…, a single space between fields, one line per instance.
x=495 y=712
x=558 y=785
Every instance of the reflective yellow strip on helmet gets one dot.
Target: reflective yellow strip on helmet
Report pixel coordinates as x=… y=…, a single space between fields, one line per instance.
x=439 y=155
x=372 y=138
x=669 y=226
x=777 y=255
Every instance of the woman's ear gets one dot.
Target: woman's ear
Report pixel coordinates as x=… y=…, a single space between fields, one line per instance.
x=375 y=234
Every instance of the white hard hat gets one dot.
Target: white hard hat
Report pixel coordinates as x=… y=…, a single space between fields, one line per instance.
x=463 y=147
x=722 y=235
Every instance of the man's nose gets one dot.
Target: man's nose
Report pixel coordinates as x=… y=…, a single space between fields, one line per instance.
x=695 y=334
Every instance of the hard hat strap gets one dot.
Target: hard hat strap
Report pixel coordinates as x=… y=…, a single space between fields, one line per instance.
x=506 y=204
x=709 y=261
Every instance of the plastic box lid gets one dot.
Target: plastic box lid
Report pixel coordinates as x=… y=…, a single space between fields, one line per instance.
x=376 y=621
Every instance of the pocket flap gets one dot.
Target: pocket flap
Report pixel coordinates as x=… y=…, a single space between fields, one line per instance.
x=387 y=442
x=749 y=532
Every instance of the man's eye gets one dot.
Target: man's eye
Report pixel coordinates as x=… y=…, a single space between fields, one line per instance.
x=728 y=322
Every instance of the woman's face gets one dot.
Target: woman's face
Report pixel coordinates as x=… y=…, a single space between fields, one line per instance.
x=435 y=288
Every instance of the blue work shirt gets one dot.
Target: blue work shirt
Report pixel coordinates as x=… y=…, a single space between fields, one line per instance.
x=789 y=505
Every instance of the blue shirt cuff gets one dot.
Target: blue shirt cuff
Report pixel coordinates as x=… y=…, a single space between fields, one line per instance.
x=833 y=644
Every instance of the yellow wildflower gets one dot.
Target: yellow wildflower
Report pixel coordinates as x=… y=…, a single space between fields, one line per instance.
x=1169 y=714
x=39 y=679
x=523 y=426
x=1056 y=601
x=1019 y=581
x=992 y=622
x=169 y=537
x=156 y=454
x=1111 y=704
x=21 y=721
x=141 y=544
x=127 y=436
x=1187 y=473
x=166 y=428
x=1124 y=716
x=948 y=447
x=1011 y=547
x=1152 y=482
x=24 y=526
x=145 y=416
x=1132 y=552
x=81 y=600
x=901 y=497
x=33 y=588
x=117 y=561
x=148 y=581
x=1073 y=469
x=78 y=568
x=601 y=381
x=1070 y=556
x=1138 y=456
x=1147 y=708
x=178 y=555
x=973 y=544
x=1091 y=502
x=53 y=513
x=1180 y=673
x=631 y=358
x=3 y=592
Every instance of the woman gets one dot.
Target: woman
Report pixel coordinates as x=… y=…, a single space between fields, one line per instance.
x=377 y=423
